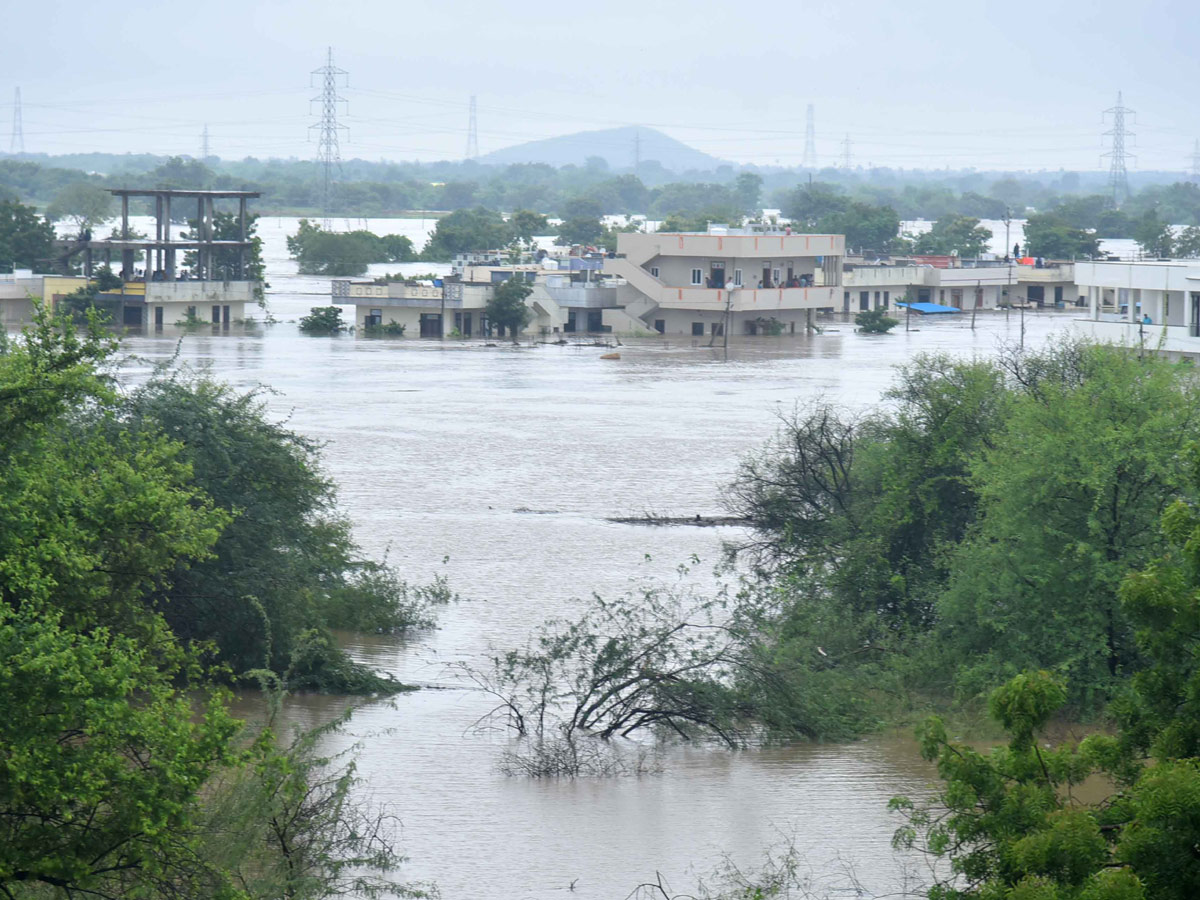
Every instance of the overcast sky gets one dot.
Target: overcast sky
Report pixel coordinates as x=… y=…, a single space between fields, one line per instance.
x=1006 y=85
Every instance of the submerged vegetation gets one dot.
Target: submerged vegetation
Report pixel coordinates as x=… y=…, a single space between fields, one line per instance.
x=156 y=546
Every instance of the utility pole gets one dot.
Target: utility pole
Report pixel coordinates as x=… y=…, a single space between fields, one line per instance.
x=472 y=133
x=846 y=152
x=1195 y=159
x=204 y=143
x=1118 y=176
x=16 y=144
x=328 y=131
x=810 y=141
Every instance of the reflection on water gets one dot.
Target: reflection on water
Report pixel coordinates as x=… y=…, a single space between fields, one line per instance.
x=440 y=451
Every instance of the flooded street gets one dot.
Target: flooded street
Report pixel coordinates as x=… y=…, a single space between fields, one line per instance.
x=497 y=467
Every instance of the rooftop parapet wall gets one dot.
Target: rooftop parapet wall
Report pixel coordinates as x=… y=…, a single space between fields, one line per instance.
x=643 y=247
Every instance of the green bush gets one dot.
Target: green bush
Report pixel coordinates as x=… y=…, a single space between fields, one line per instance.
x=875 y=321
x=391 y=329
x=323 y=320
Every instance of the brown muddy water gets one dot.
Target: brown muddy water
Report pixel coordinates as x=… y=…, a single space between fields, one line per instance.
x=497 y=467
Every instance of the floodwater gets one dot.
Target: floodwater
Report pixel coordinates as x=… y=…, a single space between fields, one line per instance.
x=496 y=467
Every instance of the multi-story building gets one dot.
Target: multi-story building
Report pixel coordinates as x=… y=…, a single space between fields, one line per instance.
x=746 y=279
x=1151 y=304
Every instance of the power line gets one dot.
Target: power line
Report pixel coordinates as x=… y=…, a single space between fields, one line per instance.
x=328 y=153
x=810 y=141
x=472 y=133
x=846 y=152
x=1118 y=176
x=16 y=144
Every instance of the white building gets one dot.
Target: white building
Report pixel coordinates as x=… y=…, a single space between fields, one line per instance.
x=568 y=299
x=1152 y=304
x=969 y=287
x=692 y=283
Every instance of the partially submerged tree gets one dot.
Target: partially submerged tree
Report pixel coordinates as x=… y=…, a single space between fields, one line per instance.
x=506 y=309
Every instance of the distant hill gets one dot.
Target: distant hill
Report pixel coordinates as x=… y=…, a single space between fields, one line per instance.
x=615 y=145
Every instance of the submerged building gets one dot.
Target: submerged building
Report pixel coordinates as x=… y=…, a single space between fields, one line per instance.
x=1155 y=304
x=165 y=278
x=745 y=279
x=570 y=298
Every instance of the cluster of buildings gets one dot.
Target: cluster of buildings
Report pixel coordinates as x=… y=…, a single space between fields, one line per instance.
x=757 y=279
x=751 y=280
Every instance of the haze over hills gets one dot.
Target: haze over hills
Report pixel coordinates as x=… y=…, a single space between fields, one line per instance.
x=617 y=146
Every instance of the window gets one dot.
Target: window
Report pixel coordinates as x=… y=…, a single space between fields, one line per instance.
x=697 y=327
x=718 y=328
x=737 y=277
x=697 y=276
x=877 y=299
x=775 y=278
x=885 y=300
x=654 y=271
x=660 y=325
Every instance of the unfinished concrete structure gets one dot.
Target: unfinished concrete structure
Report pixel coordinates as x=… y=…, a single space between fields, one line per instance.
x=214 y=289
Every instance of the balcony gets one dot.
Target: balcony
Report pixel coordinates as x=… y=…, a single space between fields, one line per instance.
x=583 y=295
x=750 y=299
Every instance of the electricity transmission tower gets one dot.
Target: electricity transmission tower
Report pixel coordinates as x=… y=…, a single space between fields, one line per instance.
x=472 y=133
x=846 y=152
x=16 y=144
x=328 y=130
x=204 y=143
x=1195 y=158
x=1118 y=176
x=810 y=141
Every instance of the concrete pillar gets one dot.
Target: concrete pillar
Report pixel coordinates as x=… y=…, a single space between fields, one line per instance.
x=170 y=275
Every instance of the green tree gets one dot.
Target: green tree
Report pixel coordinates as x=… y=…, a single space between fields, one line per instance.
x=810 y=202
x=1153 y=235
x=104 y=761
x=506 y=307
x=320 y=252
x=1049 y=235
x=26 y=239
x=228 y=227
x=747 y=191
x=286 y=563
x=84 y=205
x=467 y=231
x=526 y=224
x=1070 y=493
x=961 y=235
x=866 y=227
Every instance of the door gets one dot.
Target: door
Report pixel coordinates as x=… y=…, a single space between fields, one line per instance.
x=864 y=300
x=466 y=329
x=716 y=275
x=1036 y=293
x=766 y=278
x=225 y=315
x=158 y=317
x=216 y=315
x=1195 y=321
x=431 y=325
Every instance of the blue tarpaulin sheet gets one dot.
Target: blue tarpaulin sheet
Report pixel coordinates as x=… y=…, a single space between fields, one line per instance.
x=931 y=308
